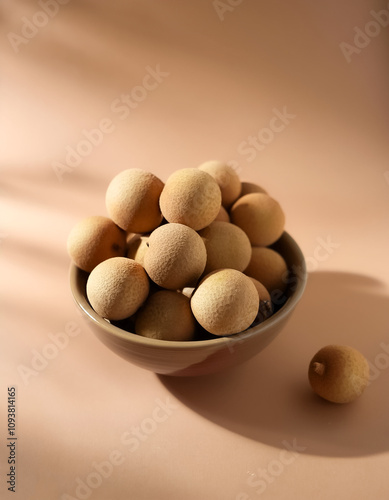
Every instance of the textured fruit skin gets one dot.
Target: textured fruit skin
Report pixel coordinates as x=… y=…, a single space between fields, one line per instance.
x=227 y=245
x=132 y=200
x=176 y=256
x=269 y=268
x=260 y=216
x=117 y=287
x=191 y=197
x=93 y=240
x=338 y=373
x=227 y=179
x=166 y=315
x=225 y=302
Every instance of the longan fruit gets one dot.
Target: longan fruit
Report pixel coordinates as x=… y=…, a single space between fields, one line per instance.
x=191 y=197
x=225 y=302
x=260 y=216
x=227 y=179
x=166 y=315
x=338 y=373
x=117 y=287
x=93 y=240
x=269 y=268
x=132 y=200
x=175 y=257
x=227 y=246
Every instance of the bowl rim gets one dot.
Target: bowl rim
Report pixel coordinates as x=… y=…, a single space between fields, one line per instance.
x=75 y=275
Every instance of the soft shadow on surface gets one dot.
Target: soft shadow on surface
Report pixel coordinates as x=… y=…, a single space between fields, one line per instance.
x=269 y=398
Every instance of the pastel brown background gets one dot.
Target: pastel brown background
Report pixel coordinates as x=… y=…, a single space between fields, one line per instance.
x=223 y=77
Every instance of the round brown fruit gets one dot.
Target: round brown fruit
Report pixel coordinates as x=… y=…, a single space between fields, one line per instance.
x=227 y=179
x=268 y=267
x=132 y=200
x=225 y=302
x=117 y=287
x=338 y=373
x=191 y=197
x=260 y=216
x=227 y=246
x=166 y=315
x=175 y=257
x=93 y=240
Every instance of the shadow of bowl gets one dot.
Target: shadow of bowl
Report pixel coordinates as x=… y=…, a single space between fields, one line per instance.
x=269 y=398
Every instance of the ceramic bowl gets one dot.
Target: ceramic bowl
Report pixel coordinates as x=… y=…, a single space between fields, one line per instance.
x=197 y=357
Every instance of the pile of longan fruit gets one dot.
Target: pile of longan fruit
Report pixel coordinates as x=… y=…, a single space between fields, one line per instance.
x=186 y=256
x=191 y=256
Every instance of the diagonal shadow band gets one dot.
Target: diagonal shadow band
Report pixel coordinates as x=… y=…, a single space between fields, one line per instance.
x=269 y=399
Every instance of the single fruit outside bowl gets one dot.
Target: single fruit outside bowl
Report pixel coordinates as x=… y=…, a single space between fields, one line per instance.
x=197 y=357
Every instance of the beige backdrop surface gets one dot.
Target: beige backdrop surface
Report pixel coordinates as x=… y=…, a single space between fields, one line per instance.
x=220 y=73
